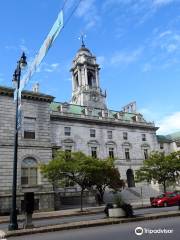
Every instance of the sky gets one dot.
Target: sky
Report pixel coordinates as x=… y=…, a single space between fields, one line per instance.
x=136 y=42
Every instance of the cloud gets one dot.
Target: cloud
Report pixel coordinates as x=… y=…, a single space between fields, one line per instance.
x=169 y=124
x=126 y=57
x=135 y=11
x=50 y=68
x=160 y=3
x=147 y=67
x=20 y=46
x=101 y=60
x=88 y=11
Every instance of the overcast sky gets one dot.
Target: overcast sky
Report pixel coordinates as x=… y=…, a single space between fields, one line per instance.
x=136 y=42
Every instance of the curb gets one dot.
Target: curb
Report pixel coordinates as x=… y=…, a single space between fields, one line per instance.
x=78 y=213
x=91 y=223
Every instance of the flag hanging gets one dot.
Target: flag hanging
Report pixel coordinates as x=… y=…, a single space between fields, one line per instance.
x=55 y=30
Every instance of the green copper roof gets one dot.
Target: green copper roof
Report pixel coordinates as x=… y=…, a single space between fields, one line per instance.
x=163 y=138
x=174 y=136
x=80 y=110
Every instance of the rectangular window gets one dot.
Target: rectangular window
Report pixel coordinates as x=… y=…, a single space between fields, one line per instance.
x=111 y=153
x=145 y=153
x=29 y=125
x=24 y=176
x=33 y=176
x=109 y=134
x=125 y=135
x=127 y=154
x=67 y=131
x=161 y=146
x=94 y=152
x=92 y=133
x=143 y=137
x=29 y=176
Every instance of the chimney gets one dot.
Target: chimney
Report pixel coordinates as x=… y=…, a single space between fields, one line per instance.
x=35 y=88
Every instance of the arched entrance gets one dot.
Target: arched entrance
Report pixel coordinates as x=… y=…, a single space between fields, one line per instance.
x=130 y=178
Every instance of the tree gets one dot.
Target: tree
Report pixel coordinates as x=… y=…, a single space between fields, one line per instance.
x=73 y=166
x=53 y=172
x=84 y=171
x=160 y=168
x=104 y=174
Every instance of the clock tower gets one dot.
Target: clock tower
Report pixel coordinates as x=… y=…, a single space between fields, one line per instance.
x=85 y=80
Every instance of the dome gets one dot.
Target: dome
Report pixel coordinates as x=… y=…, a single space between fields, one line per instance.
x=84 y=51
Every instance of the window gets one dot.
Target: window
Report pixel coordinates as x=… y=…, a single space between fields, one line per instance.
x=29 y=125
x=29 y=172
x=68 y=149
x=143 y=137
x=127 y=154
x=161 y=146
x=125 y=135
x=145 y=153
x=92 y=133
x=109 y=134
x=67 y=131
x=111 y=153
x=94 y=152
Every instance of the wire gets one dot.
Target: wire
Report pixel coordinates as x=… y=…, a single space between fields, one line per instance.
x=64 y=4
x=71 y=14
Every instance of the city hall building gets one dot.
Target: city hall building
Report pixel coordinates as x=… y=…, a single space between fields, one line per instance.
x=84 y=124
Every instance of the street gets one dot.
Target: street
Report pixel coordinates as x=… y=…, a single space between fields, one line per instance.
x=114 y=232
x=60 y=220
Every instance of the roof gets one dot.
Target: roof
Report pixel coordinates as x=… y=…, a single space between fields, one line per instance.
x=8 y=91
x=175 y=136
x=164 y=139
x=78 y=111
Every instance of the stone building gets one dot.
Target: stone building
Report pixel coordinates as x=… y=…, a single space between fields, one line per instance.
x=85 y=124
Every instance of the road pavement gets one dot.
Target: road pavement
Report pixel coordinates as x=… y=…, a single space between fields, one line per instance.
x=70 y=219
x=116 y=232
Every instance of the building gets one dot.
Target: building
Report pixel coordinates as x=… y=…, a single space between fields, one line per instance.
x=85 y=124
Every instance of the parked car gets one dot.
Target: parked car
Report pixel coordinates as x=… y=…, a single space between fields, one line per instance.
x=166 y=199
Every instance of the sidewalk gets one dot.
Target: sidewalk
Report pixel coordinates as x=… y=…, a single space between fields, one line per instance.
x=60 y=213
x=91 y=223
x=68 y=212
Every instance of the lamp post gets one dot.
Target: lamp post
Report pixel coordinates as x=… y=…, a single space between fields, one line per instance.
x=13 y=225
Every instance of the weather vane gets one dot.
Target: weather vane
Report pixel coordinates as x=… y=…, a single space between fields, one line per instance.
x=82 y=37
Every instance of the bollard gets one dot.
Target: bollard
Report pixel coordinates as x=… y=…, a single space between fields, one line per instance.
x=29 y=209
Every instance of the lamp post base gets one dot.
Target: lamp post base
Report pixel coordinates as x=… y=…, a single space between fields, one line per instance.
x=13 y=226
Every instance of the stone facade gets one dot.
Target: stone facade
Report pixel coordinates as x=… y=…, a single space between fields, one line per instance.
x=85 y=124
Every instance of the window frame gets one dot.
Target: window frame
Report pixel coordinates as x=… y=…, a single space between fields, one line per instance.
x=127 y=153
x=67 y=132
x=92 y=133
x=109 y=134
x=125 y=135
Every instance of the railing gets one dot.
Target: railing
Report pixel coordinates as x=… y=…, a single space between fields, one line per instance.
x=100 y=118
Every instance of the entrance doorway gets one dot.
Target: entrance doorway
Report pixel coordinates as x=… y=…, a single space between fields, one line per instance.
x=130 y=178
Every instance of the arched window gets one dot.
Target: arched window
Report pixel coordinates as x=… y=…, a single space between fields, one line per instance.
x=91 y=79
x=76 y=80
x=29 y=172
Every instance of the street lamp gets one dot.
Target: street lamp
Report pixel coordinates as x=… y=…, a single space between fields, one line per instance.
x=13 y=225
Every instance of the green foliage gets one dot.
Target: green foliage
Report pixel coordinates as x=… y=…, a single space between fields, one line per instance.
x=82 y=170
x=160 y=168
